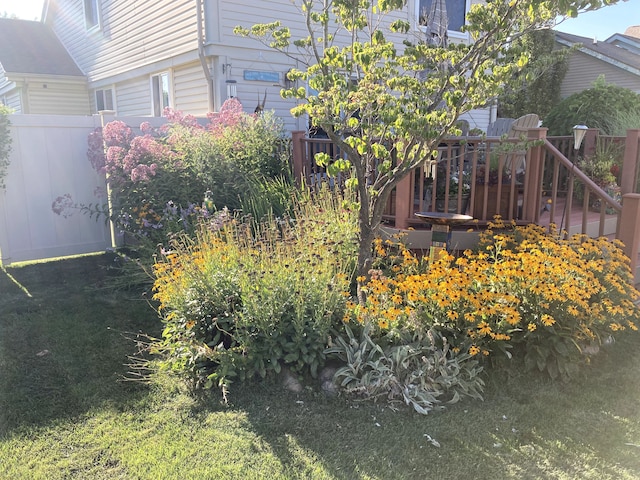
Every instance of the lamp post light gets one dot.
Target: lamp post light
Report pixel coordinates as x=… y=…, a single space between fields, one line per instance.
x=579 y=131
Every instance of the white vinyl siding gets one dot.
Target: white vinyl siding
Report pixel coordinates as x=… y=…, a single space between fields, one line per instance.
x=247 y=13
x=13 y=101
x=50 y=97
x=191 y=90
x=133 y=34
x=134 y=97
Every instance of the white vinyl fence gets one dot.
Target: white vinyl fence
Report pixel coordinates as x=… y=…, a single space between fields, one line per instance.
x=48 y=160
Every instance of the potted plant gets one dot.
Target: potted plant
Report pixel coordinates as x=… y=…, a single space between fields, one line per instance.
x=603 y=167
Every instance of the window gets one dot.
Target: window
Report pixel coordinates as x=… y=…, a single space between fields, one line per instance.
x=104 y=100
x=91 y=13
x=456 y=11
x=160 y=93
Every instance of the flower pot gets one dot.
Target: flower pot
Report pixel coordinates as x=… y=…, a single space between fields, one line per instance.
x=452 y=207
x=495 y=205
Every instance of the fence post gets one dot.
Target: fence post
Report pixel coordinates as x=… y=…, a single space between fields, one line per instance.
x=630 y=163
x=629 y=228
x=297 y=151
x=532 y=196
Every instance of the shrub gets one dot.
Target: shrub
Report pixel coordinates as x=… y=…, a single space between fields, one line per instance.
x=597 y=107
x=5 y=142
x=159 y=179
x=526 y=290
x=240 y=301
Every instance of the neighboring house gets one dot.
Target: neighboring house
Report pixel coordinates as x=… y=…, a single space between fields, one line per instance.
x=617 y=58
x=37 y=75
x=141 y=56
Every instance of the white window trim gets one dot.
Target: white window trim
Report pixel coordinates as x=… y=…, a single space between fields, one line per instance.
x=113 y=98
x=455 y=34
x=169 y=93
x=98 y=24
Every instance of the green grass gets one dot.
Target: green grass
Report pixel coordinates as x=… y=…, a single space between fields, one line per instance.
x=65 y=412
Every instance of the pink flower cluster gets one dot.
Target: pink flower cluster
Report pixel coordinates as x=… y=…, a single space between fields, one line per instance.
x=131 y=157
x=230 y=115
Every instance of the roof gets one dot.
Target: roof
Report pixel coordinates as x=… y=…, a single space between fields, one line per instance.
x=602 y=49
x=28 y=47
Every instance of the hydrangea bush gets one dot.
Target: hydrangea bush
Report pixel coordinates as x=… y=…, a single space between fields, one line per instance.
x=159 y=178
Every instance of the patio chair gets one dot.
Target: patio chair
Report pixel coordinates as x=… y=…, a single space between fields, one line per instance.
x=499 y=127
x=518 y=131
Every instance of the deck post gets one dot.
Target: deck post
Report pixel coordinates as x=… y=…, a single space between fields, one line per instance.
x=629 y=228
x=404 y=199
x=590 y=141
x=630 y=163
x=297 y=152
x=533 y=178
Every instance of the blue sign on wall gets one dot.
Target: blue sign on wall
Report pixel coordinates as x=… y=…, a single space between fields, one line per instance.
x=255 y=75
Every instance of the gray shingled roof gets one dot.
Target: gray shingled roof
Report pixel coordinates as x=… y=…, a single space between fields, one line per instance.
x=28 y=47
x=614 y=52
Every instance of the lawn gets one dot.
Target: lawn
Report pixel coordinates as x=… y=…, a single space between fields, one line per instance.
x=66 y=412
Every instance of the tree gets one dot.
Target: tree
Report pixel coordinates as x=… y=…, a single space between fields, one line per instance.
x=536 y=88
x=388 y=104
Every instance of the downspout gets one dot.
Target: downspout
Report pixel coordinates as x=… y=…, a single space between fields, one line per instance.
x=202 y=57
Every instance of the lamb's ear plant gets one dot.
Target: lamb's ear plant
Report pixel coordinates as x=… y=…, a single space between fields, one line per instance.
x=5 y=143
x=421 y=371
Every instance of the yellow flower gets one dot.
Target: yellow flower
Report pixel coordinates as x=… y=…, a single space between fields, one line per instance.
x=547 y=320
x=484 y=328
x=452 y=315
x=474 y=350
x=531 y=327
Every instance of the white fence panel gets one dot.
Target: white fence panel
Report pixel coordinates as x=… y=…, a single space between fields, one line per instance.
x=49 y=159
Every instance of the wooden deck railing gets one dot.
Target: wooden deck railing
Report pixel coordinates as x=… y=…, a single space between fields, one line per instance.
x=537 y=185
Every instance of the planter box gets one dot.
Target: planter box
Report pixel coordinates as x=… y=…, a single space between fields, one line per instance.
x=495 y=205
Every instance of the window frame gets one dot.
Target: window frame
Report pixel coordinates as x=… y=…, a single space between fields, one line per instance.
x=158 y=103
x=92 y=16
x=453 y=34
x=104 y=92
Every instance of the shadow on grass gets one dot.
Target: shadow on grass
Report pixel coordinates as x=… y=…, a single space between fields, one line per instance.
x=527 y=428
x=62 y=350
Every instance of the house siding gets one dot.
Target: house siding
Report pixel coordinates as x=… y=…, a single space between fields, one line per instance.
x=132 y=34
x=133 y=98
x=52 y=98
x=139 y=38
x=13 y=101
x=191 y=91
x=583 y=70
